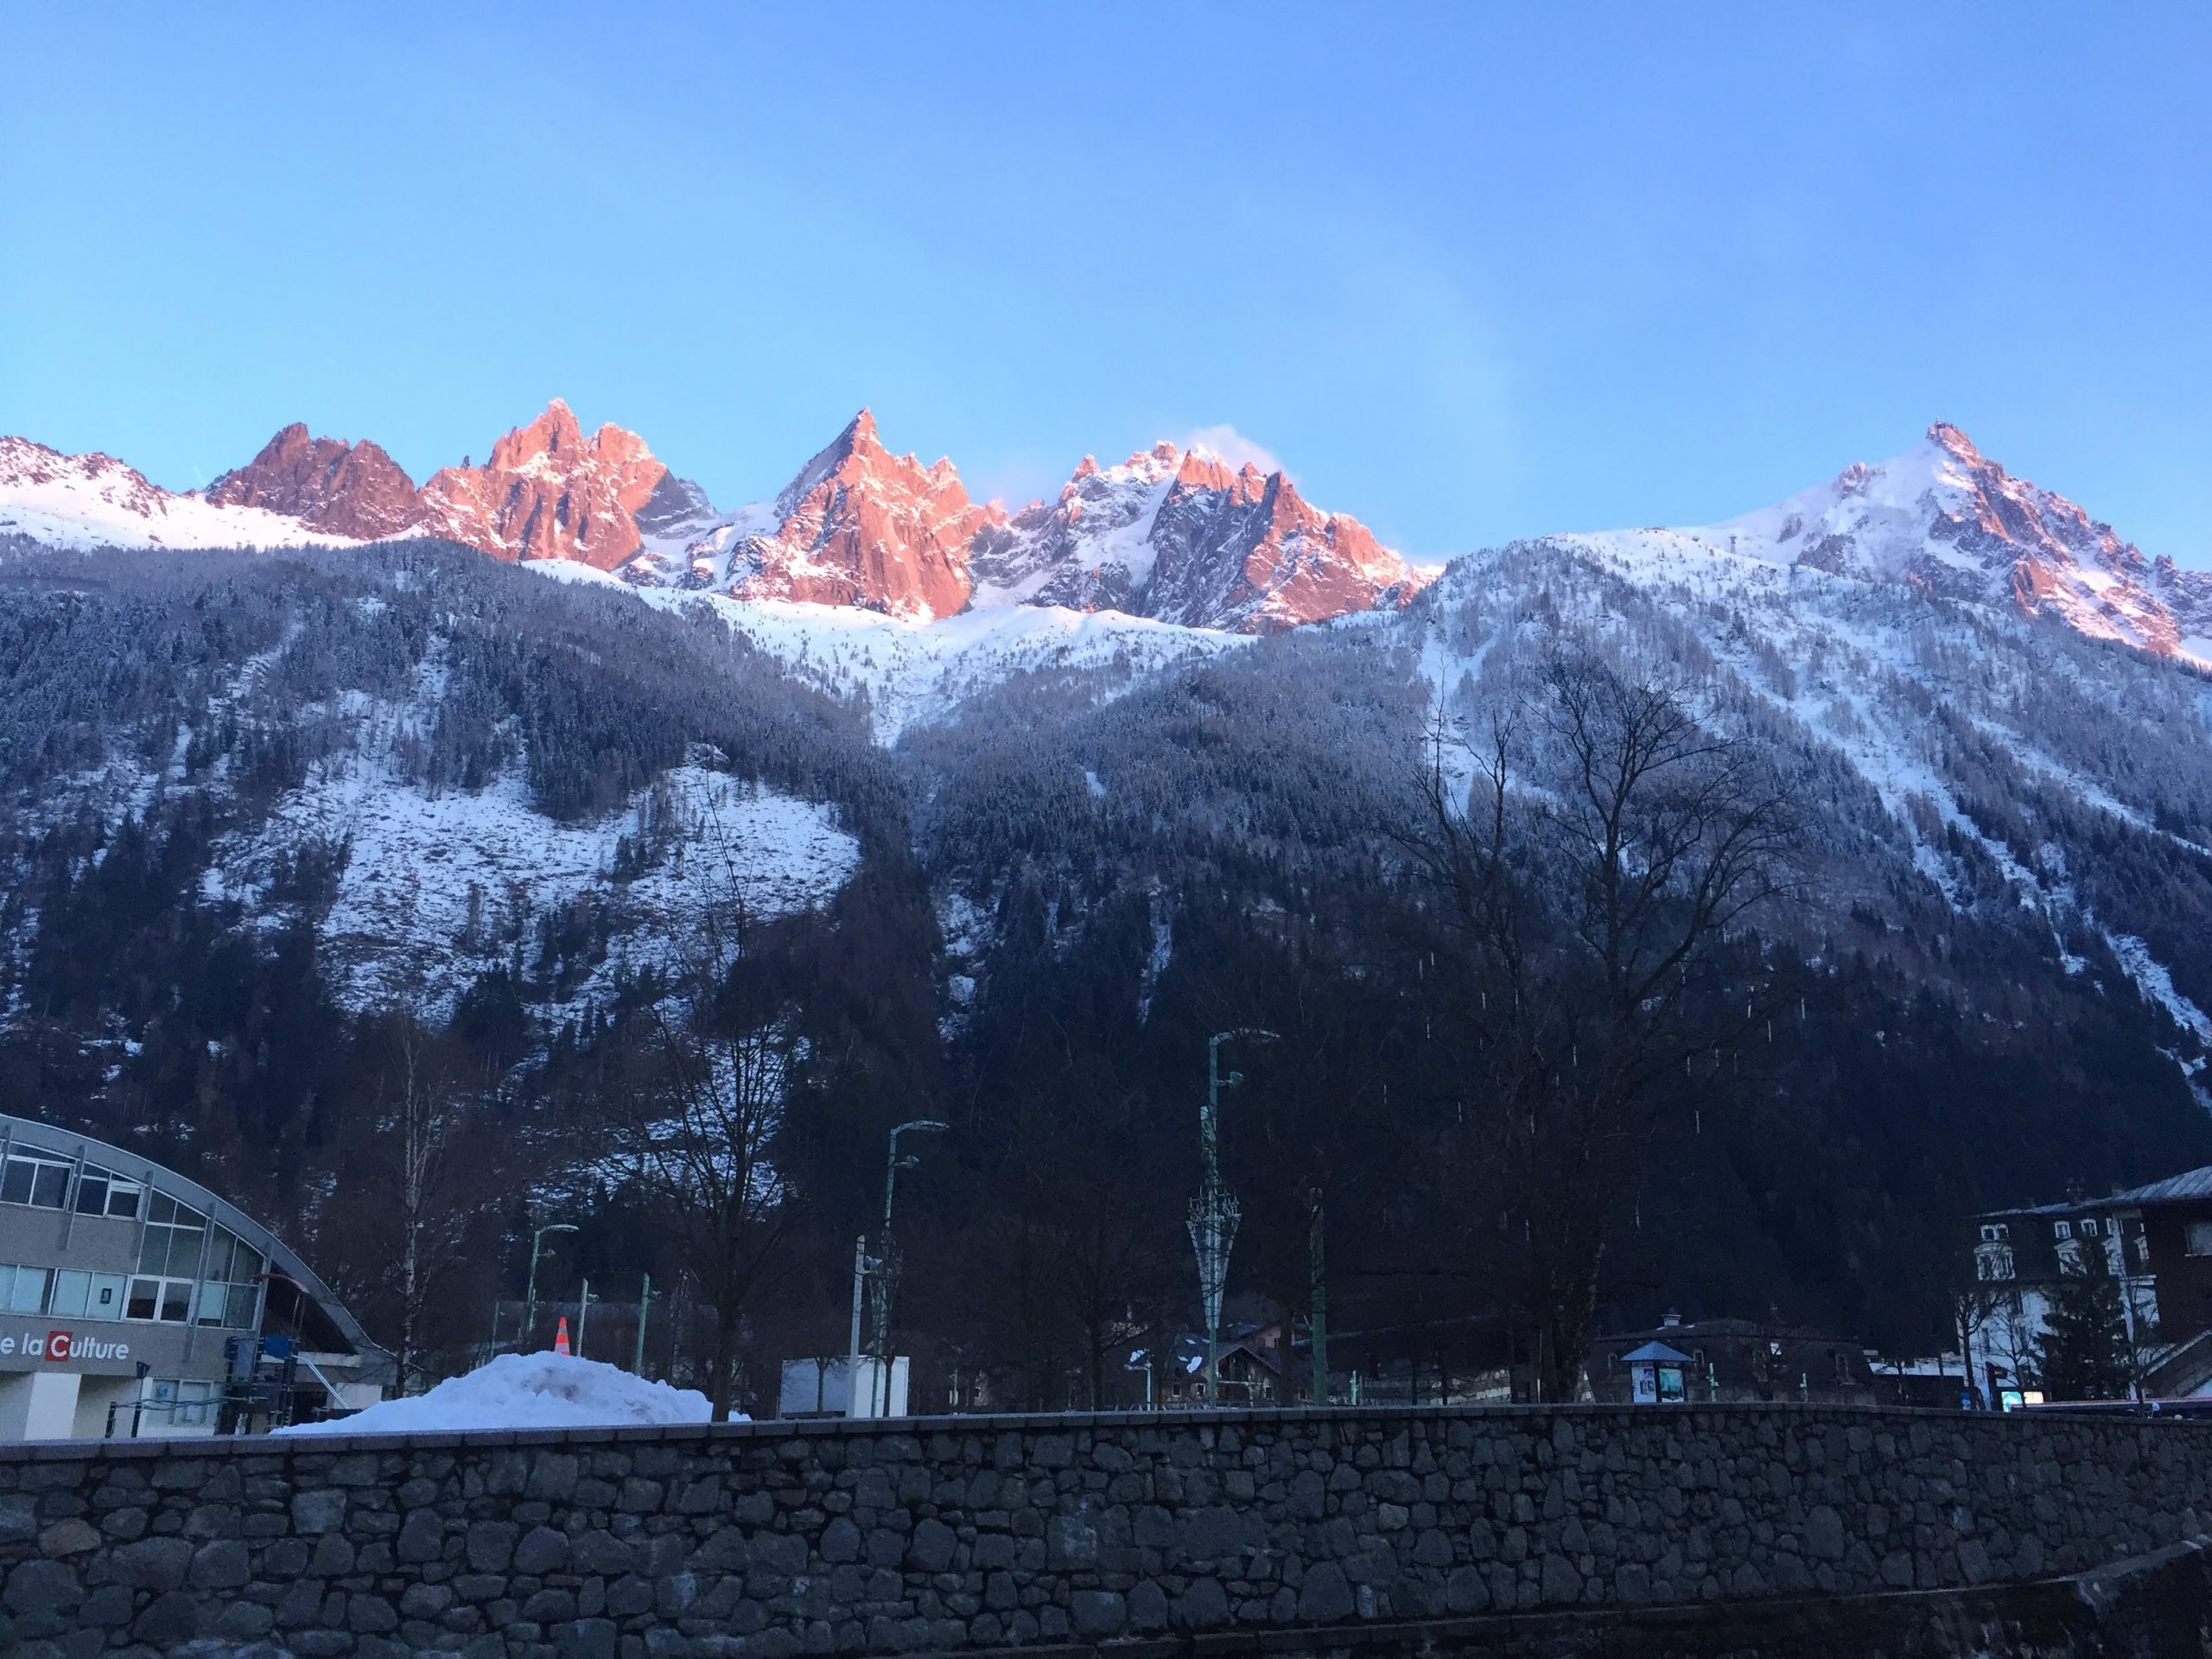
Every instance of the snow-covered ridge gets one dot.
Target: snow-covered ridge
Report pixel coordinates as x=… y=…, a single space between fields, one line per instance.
x=1943 y=519
x=913 y=670
x=94 y=500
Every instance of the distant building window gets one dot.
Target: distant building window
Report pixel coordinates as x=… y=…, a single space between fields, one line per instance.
x=41 y=1182
x=2200 y=1238
x=2061 y=1230
x=2088 y=1226
x=23 y=1290
x=103 y=1193
x=1993 y=1233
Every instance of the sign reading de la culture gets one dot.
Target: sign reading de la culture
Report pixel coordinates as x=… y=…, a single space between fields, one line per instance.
x=61 y=1347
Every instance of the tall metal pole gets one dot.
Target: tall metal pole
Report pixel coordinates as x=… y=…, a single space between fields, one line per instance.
x=1214 y=1212
x=887 y=1262
x=1318 y=1301
x=583 y=1307
x=529 y=1297
x=645 y=1306
x=852 y=1364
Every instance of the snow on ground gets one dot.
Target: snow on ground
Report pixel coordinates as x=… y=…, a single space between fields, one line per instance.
x=916 y=670
x=2157 y=984
x=538 y=1390
x=436 y=886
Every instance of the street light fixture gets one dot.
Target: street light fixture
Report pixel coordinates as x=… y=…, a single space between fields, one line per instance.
x=883 y=1267
x=530 y=1296
x=1214 y=1212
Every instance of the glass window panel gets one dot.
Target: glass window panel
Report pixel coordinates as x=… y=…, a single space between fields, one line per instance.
x=153 y=1250
x=145 y=1297
x=208 y=1302
x=92 y=1193
x=185 y=1245
x=28 y=1295
x=72 y=1293
x=243 y=1300
x=163 y=1208
x=106 y=1301
x=50 y=1186
x=123 y=1200
x=245 y=1265
x=16 y=1183
x=219 y=1246
x=176 y=1300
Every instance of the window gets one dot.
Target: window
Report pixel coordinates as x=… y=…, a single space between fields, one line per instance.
x=2200 y=1238
x=174 y=1235
x=106 y=1300
x=1994 y=1233
x=27 y=1288
x=230 y=1291
x=2088 y=1226
x=2061 y=1230
x=184 y=1403
x=71 y=1294
x=34 y=1178
x=103 y=1193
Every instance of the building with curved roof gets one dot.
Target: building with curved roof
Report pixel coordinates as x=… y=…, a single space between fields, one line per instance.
x=134 y=1301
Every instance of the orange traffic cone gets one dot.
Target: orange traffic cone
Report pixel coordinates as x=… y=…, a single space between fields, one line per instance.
x=561 y=1337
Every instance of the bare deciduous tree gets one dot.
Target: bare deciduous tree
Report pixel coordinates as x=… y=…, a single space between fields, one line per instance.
x=705 y=1115
x=1595 y=872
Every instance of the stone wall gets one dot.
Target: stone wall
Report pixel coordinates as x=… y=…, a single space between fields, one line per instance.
x=778 y=1538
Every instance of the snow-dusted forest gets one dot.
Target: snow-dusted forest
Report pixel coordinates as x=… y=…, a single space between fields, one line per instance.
x=272 y=821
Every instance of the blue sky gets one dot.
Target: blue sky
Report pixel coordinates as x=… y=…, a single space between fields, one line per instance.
x=1472 y=272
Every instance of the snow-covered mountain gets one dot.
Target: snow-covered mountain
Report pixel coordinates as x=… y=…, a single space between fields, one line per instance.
x=1183 y=537
x=1943 y=519
x=94 y=500
x=1167 y=536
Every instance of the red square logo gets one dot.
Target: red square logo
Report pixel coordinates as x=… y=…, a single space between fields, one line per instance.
x=59 y=1343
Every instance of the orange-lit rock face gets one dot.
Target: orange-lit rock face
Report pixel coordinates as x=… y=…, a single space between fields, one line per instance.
x=549 y=492
x=862 y=526
x=1251 y=554
x=348 y=489
x=1186 y=538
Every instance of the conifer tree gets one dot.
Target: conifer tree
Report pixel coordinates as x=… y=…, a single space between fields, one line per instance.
x=2084 y=1354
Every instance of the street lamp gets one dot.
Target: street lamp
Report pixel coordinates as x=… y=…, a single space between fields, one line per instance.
x=530 y=1296
x=1214 y=1212
x=884 y=1266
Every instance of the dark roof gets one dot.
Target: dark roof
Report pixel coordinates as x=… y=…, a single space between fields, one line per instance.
x=2175 y=1189
x=1658 y=1350
x=2191 y=1183
x=1763 y=1329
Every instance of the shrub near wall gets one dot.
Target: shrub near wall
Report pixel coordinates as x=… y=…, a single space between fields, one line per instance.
x=778 y=1538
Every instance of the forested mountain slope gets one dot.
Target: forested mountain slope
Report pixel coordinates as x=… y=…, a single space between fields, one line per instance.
x=263 y=811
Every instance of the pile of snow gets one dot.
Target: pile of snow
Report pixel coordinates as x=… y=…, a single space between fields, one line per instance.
x=527 y=1391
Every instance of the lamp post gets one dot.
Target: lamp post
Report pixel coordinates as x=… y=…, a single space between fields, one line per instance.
x=887 y=1265
x=530 y=1296
x=1214 y=1212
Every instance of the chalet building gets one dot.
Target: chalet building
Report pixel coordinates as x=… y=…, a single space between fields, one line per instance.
x=2175 y=1227
x=134 y=1302
x=1736 y=1360
x=2156 y=1239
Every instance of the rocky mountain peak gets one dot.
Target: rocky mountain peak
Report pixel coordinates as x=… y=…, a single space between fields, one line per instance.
x=353 y=490
x=1182 y=536
x=549 y=492
x=862 y=526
